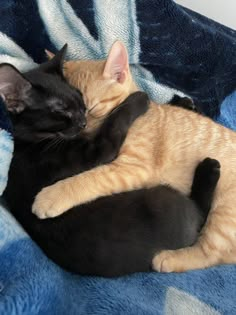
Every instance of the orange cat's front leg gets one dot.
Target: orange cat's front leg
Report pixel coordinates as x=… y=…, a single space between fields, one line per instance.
x=101 y=181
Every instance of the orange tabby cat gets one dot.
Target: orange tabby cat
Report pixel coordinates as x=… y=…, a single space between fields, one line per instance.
x=162 y=147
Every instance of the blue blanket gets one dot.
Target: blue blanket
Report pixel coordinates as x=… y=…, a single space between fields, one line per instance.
x=171 y=48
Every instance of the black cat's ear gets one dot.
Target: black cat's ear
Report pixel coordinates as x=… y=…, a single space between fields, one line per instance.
x=13 y=88
x=49 y=54
x=55 y=64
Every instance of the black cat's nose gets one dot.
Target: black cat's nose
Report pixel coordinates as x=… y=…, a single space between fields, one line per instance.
x=82 y=123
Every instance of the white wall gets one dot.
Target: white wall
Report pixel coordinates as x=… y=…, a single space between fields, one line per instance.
x=223 y=11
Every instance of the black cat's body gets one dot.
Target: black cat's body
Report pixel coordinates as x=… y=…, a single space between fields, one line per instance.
x=114 y=235
x=110 y=236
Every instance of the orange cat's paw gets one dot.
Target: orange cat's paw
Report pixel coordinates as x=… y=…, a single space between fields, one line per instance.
x=165 y=262
x=52 y=201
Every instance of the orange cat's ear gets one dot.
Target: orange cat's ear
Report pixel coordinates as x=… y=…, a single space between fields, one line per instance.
x=49 y=54
x=117 y=64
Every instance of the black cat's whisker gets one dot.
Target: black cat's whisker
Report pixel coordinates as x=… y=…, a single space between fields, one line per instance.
x=50 y=145
x=55 y=143
x=61 y=143
x=58 y=142
x=45 y=138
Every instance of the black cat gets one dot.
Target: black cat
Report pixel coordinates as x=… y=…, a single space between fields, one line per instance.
x=111 y=236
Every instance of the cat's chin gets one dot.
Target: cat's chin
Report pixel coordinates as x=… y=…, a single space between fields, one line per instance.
x=68 y=137
x=33 y=136
x=41 y=137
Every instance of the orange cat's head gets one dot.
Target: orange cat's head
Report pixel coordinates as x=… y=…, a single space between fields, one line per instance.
x=103 y=83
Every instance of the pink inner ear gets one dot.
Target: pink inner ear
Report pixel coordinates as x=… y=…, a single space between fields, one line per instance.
x=120 y=77
x=49 y=54
x=117 y=65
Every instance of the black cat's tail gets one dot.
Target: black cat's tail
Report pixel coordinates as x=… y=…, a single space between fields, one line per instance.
x=184 y=102
x=206 y=177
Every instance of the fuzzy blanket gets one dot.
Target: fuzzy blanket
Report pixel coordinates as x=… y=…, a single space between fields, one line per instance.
x=168 y=46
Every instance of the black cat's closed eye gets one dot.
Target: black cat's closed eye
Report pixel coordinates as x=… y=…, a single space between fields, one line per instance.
x=61 y=112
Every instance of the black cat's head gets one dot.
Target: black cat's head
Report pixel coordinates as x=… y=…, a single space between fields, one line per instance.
x=42 y=105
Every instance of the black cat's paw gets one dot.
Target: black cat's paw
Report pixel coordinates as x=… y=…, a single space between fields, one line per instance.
x=184 y=102
x=208 y=171
x=138 y=102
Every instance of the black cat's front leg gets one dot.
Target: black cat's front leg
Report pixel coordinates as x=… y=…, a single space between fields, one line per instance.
x=105 y=147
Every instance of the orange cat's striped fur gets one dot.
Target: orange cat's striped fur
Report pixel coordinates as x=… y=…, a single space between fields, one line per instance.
x=162 y=147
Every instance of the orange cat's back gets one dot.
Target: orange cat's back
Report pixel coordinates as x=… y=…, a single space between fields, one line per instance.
x=174 y=139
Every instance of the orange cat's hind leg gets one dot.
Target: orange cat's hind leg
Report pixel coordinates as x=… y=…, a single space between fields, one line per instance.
x=182 y=260
x=215 y=246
